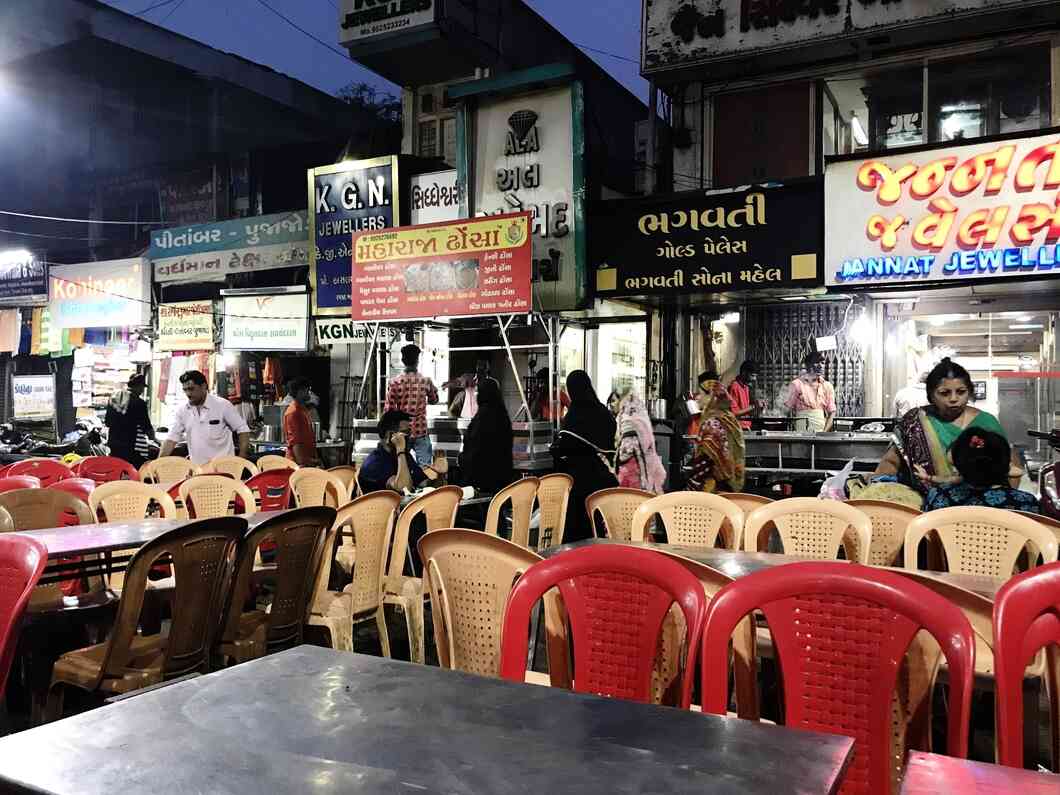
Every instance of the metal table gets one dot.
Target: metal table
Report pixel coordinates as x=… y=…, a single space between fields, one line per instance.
x=931 y=774
x=317 y=720
x=813 y=450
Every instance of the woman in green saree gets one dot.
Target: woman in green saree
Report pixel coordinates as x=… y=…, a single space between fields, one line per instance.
x=925 y=435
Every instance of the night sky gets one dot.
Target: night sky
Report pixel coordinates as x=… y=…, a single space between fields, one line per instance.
x=247 y=28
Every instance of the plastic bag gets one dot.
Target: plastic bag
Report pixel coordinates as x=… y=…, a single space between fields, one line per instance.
x=834 y=488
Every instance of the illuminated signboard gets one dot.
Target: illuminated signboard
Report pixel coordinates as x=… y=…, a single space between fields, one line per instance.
x=986 y=210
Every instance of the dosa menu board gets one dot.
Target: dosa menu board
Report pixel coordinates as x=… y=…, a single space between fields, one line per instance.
x=481 y=266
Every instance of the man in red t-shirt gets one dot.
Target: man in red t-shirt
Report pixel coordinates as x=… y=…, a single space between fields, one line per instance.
x=298 y=427
x=740 y=393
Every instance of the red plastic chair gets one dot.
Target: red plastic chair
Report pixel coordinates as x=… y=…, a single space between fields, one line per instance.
x=3 y=470
x=616 y=599
x=840 y=633
x=272 y=488
x=105 y=468
x=46 y=469
x=79 y=487
x=1026 y=619
x=18 y=482
x=22 y=562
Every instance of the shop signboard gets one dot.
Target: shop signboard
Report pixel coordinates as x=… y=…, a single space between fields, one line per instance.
x=211 y=252
x=266 y=322
x=679 y=34
x=528 y=157
x=34 y=397
x=339 y=331
x=112 y=294
x=709 y=241
x=366 y=20
x=947 y=214
x=23 y=278
x=434 y=198
x=345 y=199
x=186 y=326
x=481 y=266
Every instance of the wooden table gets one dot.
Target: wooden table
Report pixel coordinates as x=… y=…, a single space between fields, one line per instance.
x=317 y=720
x=930 y=774
x=105 y=539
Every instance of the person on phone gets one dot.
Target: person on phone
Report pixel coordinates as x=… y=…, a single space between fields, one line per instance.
x=391 y=466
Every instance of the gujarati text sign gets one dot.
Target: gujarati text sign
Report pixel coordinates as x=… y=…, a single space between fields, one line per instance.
x=476 y=267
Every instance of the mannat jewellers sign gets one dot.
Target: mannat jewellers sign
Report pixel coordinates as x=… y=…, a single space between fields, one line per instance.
x=360 y=20
x=680 y=33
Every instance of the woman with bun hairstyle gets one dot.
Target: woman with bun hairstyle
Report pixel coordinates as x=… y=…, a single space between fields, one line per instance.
x=920 y=457
x=982 y=460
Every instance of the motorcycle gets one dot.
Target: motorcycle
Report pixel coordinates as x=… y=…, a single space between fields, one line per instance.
x=1048 y=496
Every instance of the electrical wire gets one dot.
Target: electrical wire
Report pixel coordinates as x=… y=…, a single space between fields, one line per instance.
x=172 y=11
x=344 y=55
x=79 y=220
x=50 y=237
x=609 y=54
x=153 y=7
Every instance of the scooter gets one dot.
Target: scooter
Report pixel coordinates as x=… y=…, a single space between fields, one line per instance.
x=1048 y=496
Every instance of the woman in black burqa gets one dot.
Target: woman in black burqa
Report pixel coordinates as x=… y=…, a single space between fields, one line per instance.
x=486 y=460
x=585 y=451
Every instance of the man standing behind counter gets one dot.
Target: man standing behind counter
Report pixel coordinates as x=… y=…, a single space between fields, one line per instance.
x=810 y=398
x=207 y=423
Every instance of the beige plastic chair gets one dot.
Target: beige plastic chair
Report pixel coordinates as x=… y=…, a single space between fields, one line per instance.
x=812 y=528
x=889 y=523
x=521 y=494
x=348 y=475
x=977 y=540
x=693 y=518
x=746 y=503
x=553 y=495
x=127 y=500
x=439 y=509
x=269 y=462
x=468 y=576
x=616 y=507
x=212 y=496
x=313 y=486
x=372 y=519
x=232 y=465
x=171 y=469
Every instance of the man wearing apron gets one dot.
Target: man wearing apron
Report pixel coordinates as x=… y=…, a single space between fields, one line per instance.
x=810 y=398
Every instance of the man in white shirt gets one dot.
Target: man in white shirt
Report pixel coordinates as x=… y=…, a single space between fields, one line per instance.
x=206 y=423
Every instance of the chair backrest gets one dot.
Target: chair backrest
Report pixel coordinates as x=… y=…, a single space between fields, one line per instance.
x=46 y=469
x=438 y=508
x=299 y=537
x=746 y=502
x=978 y=540
x=1026 y=619
x=39 y=509
x=7 y=524
x=889 y=523
x=616 y=599
x=553 y=495
x=233 y=465
x=79 y=487
x=167 y=470
x=19 y=482
x=371 y=518
x=203 y=555
x=267 y=463
x=812 y=528
x=22 y=562
x=616 y=507
x=468 y=576
x=521 y=495
x=693 y=518
x=348 y=475
x=128 y=500
x=840 y=634
x=105 y=468
x=313 y=486
x=272 y=489
x=213 y=496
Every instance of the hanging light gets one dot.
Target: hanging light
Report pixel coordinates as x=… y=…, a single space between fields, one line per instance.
x=857 y=130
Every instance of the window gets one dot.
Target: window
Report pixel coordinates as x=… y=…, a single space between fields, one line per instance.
x=429 y=139
x=449 y=141
x=571 y=352
x=622 y=350
x=882 y=110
